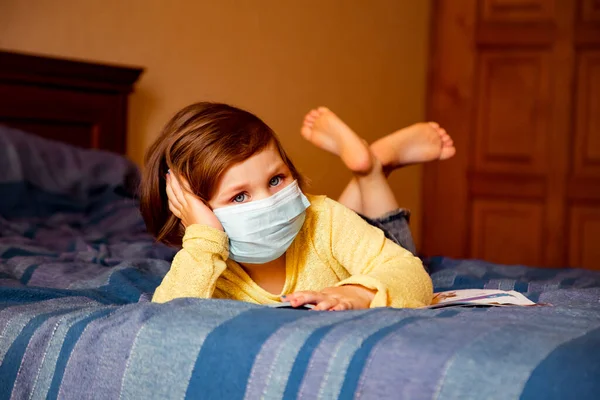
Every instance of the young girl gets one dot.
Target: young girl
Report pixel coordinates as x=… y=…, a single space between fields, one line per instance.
x=218 y=182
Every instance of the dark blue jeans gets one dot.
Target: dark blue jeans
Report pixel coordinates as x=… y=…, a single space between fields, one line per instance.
x=395 y=227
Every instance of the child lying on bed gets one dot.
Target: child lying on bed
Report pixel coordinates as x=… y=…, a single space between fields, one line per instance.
x=218 y=182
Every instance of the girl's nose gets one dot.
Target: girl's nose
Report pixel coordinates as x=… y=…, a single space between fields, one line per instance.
x=261 y=194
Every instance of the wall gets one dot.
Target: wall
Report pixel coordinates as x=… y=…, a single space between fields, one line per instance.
x=366 y=60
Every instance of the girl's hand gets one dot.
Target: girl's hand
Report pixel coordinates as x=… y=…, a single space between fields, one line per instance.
x=348 y=297
x=186 y=206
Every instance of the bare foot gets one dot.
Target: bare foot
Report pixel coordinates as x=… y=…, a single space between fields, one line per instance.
x=421 y=142
x=325 y=130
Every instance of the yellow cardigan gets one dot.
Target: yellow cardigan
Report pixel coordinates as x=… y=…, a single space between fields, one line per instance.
x=334 y=247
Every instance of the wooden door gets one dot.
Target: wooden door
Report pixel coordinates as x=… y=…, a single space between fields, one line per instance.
x=517 y=85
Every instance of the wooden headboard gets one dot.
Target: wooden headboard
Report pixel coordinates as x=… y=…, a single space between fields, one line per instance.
x=81 y=103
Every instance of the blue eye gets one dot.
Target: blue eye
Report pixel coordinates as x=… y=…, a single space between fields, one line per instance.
x=276 y=180
x=239 y=198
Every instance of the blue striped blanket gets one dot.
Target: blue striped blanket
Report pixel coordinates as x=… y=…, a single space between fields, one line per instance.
x=77 y=271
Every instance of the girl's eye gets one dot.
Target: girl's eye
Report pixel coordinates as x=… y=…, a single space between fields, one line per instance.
x=276 y=180
x=239 y=198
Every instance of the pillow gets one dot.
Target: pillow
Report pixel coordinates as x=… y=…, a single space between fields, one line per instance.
x=40 y=177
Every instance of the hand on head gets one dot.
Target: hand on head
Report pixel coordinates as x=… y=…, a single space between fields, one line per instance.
x=186 y=206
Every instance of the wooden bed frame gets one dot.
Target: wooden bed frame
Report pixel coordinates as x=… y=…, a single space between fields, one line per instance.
x=80 y=103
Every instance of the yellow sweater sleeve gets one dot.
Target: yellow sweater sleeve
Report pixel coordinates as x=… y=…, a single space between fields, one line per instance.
x=197 y=266
x=377 y=263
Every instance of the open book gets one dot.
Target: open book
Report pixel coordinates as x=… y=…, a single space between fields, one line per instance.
x=479 y=297
x=459 y=298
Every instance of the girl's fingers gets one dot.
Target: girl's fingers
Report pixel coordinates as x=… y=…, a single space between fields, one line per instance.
x=342 y=306
x=171 y=194
x=184 y=184
x=176 y=187
x=326 y=304
x=187 y=190
x=306 y=297
x=176 y=212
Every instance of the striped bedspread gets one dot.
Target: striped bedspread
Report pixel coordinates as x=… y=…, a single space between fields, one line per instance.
x=91 y=343
x=77 y=271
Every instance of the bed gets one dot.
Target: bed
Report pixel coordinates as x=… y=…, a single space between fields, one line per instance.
x=77 y=271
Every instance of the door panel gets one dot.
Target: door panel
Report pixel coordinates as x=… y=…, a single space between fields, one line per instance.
x=517 y=10
x=584 y=249
x=586 y=157
x=590 y=10
x=507 y=232
x=512 y=110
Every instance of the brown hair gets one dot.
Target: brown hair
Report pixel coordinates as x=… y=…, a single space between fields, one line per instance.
x=199 y=143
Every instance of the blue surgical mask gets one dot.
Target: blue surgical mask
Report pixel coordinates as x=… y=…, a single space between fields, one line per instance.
x=261 y=231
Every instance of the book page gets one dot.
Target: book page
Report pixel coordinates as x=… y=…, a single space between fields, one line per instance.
x=480 y=297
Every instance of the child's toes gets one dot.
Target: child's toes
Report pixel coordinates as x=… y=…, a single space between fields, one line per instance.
x=447 y=152
x=446 y=139
x=309 y=122
x=444 y=135
x=306 y=132
x=311 y=117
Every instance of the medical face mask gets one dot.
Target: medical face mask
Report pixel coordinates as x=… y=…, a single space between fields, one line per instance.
x=261 y=231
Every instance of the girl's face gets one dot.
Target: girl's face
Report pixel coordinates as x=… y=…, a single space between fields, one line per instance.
x=256 y=178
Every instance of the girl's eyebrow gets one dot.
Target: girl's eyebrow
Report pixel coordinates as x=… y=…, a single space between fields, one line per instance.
x=277 y=167
x=235 y=189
